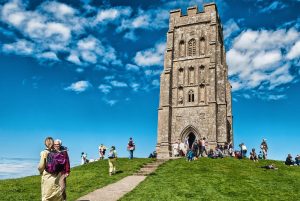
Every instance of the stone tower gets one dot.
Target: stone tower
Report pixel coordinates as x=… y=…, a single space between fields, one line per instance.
x=195 y=94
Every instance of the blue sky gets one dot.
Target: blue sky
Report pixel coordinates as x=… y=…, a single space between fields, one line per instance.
x=87 y=72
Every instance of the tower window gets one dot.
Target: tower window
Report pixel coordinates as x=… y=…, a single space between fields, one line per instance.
x=202 y=46
x=191 y=96
x=192 y=47
x=181 y=49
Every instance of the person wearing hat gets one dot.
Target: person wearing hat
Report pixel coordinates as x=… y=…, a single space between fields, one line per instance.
x=264 y=148
x=112 y=160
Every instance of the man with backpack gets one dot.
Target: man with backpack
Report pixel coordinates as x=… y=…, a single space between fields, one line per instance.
x=130 y=148
x=66 y=166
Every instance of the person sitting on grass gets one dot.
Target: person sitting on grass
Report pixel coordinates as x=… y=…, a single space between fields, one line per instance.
x=218 y=152
x=153 y=154
x=289 y=160
x=212 y=154
x=297 y=160
x=270 y=167
x=190 y=155
x=253 y=155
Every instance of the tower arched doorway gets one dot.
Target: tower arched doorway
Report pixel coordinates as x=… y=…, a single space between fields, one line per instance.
x=191 y=139
x=189 y=135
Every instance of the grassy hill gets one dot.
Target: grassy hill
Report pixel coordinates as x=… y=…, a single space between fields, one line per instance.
x=219 y=179
x=204 y=179
x=83 y=179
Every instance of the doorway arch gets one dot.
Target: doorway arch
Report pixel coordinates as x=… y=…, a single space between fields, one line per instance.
x=189 y=135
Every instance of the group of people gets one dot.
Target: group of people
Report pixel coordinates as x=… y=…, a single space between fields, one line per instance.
x=289 y=160
x=54 y=167
x=199 y=149
x=112 y=155
x=196 y=149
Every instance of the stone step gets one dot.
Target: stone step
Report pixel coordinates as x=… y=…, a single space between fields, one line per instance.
x=149 y=168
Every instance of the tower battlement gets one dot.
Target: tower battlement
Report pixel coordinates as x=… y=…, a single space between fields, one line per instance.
x=192 y=11
x=193 y=15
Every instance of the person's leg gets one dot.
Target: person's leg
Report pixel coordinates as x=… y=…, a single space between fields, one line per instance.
x=110 y=166
x=130 y=154
x=114 y=166
x=62 y=183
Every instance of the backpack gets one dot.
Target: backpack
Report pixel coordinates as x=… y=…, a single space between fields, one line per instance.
x=130 y=143
x=55 y=162
x=111 y=154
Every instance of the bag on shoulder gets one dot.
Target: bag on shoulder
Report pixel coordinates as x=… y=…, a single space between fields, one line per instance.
x=130 y=143
x=55 y=162
x=111 y=155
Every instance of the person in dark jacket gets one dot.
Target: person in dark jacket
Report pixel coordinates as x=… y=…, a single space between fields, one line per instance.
x=66 y=170
x=289 y=160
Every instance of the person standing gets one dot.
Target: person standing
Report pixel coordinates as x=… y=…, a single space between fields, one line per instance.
x=66 y=168
x=203 y=147
x=112 y=160
x=84 y=159
x=243 y=150
x=175 y=148
x=130 y=147
x=50 y=187
x=102 y=150
x=264 y=148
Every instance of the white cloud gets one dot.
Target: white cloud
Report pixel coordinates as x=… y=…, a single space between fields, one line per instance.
x=135 y=86
x=109 y=77
x=276 y=5
x=294 y=52
x=262 y=59
x=59 y=10
x=132 y=67
x=230 y=27
x=118 y=84
x=79 y=86
x=155 y=83
x=111 y=102
x=111 y=14
x=74 y=58
x=22 y=47
x=151 y=57
x=276 y=97
x=152 y=72
x=105 y=88
x=48 y=56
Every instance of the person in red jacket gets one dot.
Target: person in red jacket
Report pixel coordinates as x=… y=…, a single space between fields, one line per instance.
x=66 y=170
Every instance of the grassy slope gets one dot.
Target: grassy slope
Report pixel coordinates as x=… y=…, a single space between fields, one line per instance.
x=83 y=179
x=219 y=179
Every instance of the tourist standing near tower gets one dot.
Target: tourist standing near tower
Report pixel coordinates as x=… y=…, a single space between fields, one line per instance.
x=264 y=148
x=112 y=160
x=130 y=147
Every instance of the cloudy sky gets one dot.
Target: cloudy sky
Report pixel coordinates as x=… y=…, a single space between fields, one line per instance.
x=87 y=72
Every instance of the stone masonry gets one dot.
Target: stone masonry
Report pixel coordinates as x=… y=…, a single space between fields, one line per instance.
x=195 y=94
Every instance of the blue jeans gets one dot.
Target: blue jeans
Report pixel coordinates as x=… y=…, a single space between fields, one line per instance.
x=130 y=154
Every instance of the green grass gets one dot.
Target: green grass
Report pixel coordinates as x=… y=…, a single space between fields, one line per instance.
x=82 y=180
x=219 y=179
